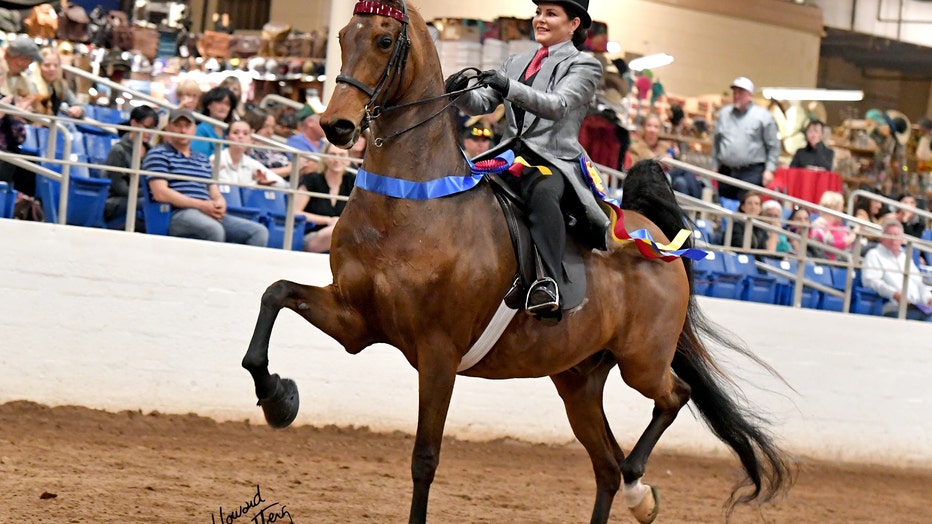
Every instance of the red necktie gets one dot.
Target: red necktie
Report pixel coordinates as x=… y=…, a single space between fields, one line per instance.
x=534 y=67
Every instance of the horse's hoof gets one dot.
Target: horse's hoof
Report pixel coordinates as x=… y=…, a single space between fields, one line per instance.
x=281 y=407
x=646 y=510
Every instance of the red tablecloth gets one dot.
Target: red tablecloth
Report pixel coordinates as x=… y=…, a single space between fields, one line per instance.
x=807 y=184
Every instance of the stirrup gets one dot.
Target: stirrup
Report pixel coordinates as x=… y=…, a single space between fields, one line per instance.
x=547 y=297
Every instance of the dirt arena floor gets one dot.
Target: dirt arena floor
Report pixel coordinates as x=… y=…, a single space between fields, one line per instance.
x=76 y=465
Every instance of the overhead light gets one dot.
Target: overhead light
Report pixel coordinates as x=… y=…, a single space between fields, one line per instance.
x=833 y=95
x=650 y=62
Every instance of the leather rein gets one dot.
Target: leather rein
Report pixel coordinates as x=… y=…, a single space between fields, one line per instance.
x=393 y=71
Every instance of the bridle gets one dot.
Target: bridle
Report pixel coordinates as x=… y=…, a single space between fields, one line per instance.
x=393 y=71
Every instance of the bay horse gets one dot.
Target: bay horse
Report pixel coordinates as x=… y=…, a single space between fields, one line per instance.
x=427 y=275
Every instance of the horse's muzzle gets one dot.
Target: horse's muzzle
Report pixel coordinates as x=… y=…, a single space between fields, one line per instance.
x=341 y=133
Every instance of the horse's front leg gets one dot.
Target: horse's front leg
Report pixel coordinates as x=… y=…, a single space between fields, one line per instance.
x=318 y=305
x=436 y=376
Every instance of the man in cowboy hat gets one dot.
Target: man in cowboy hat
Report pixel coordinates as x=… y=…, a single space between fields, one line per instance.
x=746 y=146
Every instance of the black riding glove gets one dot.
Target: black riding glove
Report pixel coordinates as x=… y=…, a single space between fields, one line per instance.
x=496 y=80
x=459 y=80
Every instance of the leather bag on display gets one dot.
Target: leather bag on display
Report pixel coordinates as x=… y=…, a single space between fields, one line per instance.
x=146 y=41
x=245 y=46
x=42 y=22
x=73 y=24
x=214 y=44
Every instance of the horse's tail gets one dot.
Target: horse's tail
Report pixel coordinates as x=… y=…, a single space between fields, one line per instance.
x=648 y=191
x=767 y=466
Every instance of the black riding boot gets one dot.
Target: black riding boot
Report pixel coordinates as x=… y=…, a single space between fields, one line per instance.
x=549 y=233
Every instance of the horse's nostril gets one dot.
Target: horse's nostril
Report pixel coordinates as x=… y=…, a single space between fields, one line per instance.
x=340 y=132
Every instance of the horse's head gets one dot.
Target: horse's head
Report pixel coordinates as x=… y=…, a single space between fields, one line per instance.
x=376 y=71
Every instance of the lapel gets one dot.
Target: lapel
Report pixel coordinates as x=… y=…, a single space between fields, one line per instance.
x=544 y=78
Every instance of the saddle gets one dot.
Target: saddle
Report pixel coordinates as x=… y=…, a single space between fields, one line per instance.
x=573 y=282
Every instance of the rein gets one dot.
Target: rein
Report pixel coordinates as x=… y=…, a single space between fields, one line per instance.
x=393 y=71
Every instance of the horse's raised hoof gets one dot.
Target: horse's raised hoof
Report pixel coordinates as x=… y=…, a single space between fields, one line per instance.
x=646 y=510
x=281 y=407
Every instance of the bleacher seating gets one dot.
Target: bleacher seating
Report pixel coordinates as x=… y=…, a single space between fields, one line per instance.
x=98 y=148
x=703 y=271
x=821 y=275
x=273 y=205
x=755 y=287
x=86 y=200
x=157 y=214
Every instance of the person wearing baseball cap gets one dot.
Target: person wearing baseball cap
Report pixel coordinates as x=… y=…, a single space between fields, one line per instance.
x=199 y=209
x=546 y=94
x=310 y=137
x=19 y=54
x=745 y=145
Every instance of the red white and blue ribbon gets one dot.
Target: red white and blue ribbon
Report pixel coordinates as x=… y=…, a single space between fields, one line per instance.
x=641 y=238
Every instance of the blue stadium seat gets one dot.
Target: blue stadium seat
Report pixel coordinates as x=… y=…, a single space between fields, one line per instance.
x=703 y=271
x=273 y=205
x=730 y=203
x=727 y=281
x=785 y=286
x=158 y=215
x=756 y=287
x=86 y=200
x=98 y=149
x=927 y=256
x=7 y=199
x=30 y=145
x=821 y=275
x=865 y=301
x=108 y=115
x=233 y=196
x=704 y=230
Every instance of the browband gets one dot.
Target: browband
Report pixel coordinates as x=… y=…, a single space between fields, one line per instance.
x=368 y=7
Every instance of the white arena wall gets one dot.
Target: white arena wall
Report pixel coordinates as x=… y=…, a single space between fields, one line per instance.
x=118 y=321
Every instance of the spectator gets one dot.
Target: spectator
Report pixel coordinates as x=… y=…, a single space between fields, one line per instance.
x=772 y=212
x=236 y=87
x=477 y=139
x=924 y=148
x=830 y=229
x=188 y=94
x=869 y=210
x=751 y=206
x=262 y=123
x=649 y=145
x=799 y=224
x=310 y=136
x=325 y=212
x=237 y=167
x=745 y=146
x=121 y=155
x=218 y=103
x=816 y=155
x=52 y=92
x=912 y=224
x=199 y=208
x=20 y=53
x=12 y=136
x=882 y=271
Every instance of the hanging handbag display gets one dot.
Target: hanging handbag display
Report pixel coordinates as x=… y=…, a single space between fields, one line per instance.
x=214 y=44
x=42 y=22
x=73 y=24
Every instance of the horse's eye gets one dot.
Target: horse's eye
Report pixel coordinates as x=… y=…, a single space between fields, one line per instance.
x=384 y=42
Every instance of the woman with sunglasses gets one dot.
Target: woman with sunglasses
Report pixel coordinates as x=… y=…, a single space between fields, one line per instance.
x=546 y=94
x=121 y=155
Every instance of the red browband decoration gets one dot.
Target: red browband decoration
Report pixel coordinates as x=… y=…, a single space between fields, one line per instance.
x=367 y=7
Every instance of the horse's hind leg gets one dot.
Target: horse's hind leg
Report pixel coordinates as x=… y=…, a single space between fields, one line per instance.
x=279 y=397
x=670 y=394
x=581 y=390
